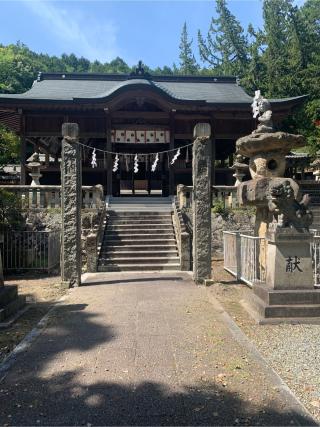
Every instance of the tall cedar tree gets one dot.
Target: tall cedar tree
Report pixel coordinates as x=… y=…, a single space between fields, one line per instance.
x=225 y=47
x=188 y=63
x=277 y=53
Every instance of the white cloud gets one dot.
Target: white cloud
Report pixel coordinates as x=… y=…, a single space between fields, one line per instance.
x=79 y=34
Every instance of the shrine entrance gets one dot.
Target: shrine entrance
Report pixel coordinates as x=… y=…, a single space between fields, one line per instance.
x=144 y=182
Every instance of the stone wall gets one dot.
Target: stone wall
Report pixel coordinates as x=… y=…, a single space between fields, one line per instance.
x=235 y=220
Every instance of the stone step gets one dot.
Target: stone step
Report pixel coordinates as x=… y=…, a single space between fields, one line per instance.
x=284 y=311
x=140 y=261
x=12 y=307
x=133 y=267
x=295 y=310
x=134 y=242
x=139 y=215
x=141 y=199
x=142 y=209
x=147 y=221
x=110 y=252
x=140 y=248
x=140 y=236
x=286 y=297
x=7 y=295
x=134 y=231
x=138 y=227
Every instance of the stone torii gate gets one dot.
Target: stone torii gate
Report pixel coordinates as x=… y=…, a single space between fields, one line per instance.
x=71 y=200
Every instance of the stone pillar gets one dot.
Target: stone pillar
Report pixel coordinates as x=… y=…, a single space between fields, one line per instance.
x=91 y=249
x=201 y=171
x=181 y=196
x=71 y=205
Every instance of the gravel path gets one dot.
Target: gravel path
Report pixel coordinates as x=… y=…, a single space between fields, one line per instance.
x=292 y=350
x=142 y=349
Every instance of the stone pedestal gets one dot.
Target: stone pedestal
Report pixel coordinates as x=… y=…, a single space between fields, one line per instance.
x=288 y=294
x=289 y=260
x=71 y=200
x=201 y=169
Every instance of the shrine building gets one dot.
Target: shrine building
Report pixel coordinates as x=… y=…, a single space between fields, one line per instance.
x=130 y=114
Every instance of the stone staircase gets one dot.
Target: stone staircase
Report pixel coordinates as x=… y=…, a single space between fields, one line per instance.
x=313 y=189
x=139 y=236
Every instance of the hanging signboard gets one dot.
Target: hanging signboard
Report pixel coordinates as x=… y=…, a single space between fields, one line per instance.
x=147 y=136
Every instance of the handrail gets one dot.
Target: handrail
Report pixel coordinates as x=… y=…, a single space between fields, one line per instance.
x=183 y=237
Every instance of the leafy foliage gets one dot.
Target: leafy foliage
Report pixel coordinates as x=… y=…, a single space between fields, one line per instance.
x=9 y=146
x=188 y=63
x=225 y=47
x=282 y=59
x=10 y=211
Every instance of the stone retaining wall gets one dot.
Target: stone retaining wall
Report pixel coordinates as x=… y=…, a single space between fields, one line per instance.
x=235 y=220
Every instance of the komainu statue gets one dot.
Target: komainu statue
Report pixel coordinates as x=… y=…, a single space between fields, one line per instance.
x=287 y=211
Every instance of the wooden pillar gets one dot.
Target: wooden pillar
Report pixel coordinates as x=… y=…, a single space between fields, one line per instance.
x=23 y=148
x=213 y=153
x=171 y=170
x=108 y=156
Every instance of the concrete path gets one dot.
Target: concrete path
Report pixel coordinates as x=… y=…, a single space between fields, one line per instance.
x=142 y=349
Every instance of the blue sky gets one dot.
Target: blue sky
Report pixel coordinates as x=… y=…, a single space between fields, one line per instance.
x=148 y=30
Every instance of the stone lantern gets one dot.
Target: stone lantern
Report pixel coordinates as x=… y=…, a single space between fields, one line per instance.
x=34 y=166
x=266 y=150
x=283 y=219
x=240 y=169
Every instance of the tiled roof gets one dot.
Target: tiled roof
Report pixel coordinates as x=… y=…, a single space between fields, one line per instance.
x=78 y=87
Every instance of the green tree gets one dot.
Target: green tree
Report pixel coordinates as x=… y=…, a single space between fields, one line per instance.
x=225 y=48
x=9 y=146
x=188 y=63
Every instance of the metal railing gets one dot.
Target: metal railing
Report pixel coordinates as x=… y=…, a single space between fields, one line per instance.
x=252 y=259
x=30 y=250
x=244 y=256
x=231 y=252
x=315 y=251
x=183 y=237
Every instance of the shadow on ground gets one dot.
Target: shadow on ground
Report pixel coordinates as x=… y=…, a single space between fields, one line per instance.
x=126 y=281
x=54 y=383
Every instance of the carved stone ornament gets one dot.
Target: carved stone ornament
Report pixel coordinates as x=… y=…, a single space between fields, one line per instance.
x=287 y=211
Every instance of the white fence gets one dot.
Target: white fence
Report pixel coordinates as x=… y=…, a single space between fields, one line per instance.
x=30 y=250
x=245 y=256
x=315 y=250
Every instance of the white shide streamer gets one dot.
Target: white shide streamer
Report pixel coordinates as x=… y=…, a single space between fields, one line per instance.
x=155 y=163
x=94 y=159
x=136 y=165
x=174 y=158
x=116 y=163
